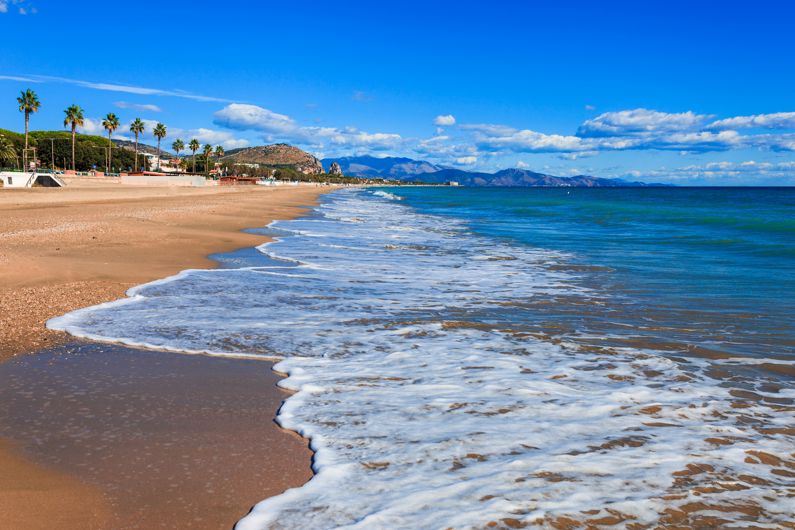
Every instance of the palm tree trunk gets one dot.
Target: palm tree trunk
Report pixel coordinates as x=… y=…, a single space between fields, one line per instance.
x=136 y=152
x=194 y=162
x=25 y=153
x=158 y=154
x=110 y=153
x=73 y=146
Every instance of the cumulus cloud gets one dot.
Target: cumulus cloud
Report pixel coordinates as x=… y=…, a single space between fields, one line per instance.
x=144 y=107
x=777 y=120
x=92 y=126
x=466 y=160
x=252 y=117
x=637 y=121
x=281 y=127
x=526 y=141
x=444 y=120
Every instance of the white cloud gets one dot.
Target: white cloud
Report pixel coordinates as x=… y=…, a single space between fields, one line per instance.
x=138 y=106
x=92 y=126
x=529 y=141
x=359 y=95
x=628 y=122
x=279 y=127
x=590 y=107
x=444 y=120
x=252 y=117
x=3 y=6
x=777 y=120
x=111 y=87
x=747 y=172
x=466 y=160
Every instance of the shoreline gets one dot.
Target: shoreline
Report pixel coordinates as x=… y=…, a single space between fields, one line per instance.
x=79 y=246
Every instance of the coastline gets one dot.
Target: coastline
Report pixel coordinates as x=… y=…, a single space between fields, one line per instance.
x=79 y=246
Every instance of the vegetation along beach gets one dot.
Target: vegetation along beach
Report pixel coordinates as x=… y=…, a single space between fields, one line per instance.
x=448 y=266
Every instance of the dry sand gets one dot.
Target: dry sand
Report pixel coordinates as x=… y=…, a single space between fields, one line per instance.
x=61 y=249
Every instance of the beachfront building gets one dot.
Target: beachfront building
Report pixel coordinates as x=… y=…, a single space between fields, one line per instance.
x=21 y=179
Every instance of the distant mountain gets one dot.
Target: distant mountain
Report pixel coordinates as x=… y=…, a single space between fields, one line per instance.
x=406 y=169
x=276 y=155
x=386 y=167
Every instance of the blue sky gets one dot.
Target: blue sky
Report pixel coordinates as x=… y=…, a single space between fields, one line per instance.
x=684 y=92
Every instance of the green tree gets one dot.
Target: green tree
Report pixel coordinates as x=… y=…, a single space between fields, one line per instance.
x=194 y=146
x=74 y=119
x=219 y=152
x=110 y=123
x=28 y=103
x=137 y=127
x=178 y=146
x=7 y=151
x=207 y=151
x=160 y=133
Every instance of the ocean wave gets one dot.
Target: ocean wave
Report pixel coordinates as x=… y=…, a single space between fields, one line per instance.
x=429 y=408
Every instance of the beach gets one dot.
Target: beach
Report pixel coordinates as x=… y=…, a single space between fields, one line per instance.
x=64 y=249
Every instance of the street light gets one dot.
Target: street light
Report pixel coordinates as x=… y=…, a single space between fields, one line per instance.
x=52 y=150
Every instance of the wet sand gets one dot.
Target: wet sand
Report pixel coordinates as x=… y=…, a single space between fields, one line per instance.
x=171 y=440
x=62 y=249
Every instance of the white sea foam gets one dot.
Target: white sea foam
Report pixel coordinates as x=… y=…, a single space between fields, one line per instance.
x=426 y=402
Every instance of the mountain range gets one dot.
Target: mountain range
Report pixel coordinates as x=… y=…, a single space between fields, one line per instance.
x=407 y=169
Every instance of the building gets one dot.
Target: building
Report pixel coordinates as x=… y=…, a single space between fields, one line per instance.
x=20 y=179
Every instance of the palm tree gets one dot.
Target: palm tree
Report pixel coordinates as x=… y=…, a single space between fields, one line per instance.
x=110 y=123
x=194 y=146
x=137 y=127
x=73 y=118
x=219 y=152
x=178 y=146
x=160 y=133
x=28 y=102
x=7 y=151
x=207 y=151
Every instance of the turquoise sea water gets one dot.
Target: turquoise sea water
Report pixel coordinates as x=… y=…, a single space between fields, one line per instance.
x=709 y=269
x=465 y=358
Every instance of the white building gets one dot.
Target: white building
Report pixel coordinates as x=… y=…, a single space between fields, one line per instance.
x=21 y=179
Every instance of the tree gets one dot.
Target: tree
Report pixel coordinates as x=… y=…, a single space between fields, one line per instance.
x=160 y=133
x=110 y=123
x=194 y=146
x=74 y=119
x=219 y=152
x=28 y=102
x=137 y=127
x=207 y=151
x=7 y=151
x=178 y=146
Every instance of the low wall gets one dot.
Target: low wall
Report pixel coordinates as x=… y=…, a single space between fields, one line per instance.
x=164 y=180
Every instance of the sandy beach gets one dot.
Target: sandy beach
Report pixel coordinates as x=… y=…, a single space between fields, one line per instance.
x=69 y=248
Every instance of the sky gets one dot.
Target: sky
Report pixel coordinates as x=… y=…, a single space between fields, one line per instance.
x=696 y=93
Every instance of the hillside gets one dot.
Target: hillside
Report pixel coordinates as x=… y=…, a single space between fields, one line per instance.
x=275 y=156
x=144 y=148
x=417 y=170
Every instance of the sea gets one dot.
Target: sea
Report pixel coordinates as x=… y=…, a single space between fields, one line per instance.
x=509 y=358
